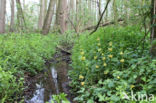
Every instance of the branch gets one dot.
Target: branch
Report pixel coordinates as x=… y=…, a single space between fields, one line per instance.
x=100 y=18
x=102 y=25
x=72 y=24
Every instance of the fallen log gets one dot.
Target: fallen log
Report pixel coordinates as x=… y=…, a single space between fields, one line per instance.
x=101 y=25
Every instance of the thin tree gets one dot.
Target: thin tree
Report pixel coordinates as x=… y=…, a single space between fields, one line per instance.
x=48 y=18
x=115 y=11
x=12 y=16
x=42 y=14
x=2 y=15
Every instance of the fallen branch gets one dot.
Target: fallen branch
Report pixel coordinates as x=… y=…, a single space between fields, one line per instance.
x=101 y=25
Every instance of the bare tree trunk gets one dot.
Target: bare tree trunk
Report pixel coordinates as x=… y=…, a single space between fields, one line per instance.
x=153 y=20
x=43 y=10
x=20 y=15
x=12 y=15
x=48 y=18
x=62 y=16
x=2 y=15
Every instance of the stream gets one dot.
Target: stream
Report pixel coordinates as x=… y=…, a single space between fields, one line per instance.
x=54 y=81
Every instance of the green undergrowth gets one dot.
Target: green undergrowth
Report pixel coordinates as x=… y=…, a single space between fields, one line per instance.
x=111 y=63
x=20 y=53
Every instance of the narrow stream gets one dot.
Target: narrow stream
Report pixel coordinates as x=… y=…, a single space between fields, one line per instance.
x=54 y=81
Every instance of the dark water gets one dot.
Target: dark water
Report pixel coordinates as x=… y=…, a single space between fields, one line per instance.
x=55 y=81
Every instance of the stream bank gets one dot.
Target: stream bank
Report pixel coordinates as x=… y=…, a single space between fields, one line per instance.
x=53 y=80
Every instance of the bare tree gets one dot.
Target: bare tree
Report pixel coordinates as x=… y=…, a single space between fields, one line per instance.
x=48 y=18
x=2 y=15
x=42 y=15
x=12 y=15
x=20 y=15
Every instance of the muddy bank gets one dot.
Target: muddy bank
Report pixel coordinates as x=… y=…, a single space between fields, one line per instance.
x=53 y=80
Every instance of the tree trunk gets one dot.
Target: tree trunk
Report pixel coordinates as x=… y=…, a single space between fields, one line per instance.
x=105 y=19
x=72 y=9
x=2 y=15
x=115 y=12
x=126 y=11
x=12 y=15
x=43 y=4
x=48 y=18
x=153 y=20
x=99 y=7
x=61 y=20
x=20 y=15
x=77 y=16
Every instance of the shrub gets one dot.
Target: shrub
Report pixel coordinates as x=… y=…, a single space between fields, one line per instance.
x=111 y=62
x=10 y=87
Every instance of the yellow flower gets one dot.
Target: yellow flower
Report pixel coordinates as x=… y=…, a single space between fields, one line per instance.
x=99 y=49
x=97 y=66
x=118 y=77
x=82 y=83
x=110 y=56
x=121 y=53
x=105 y=72
x=81 y=77
x=132 y=86
x=104 y=64
x=98 y=39
x=83 y=58
x=95 y=57
x=110 y=49
x=122 y=60
x=99 y=44
x=82 y=53
x=110 y=43
x=104 y=58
